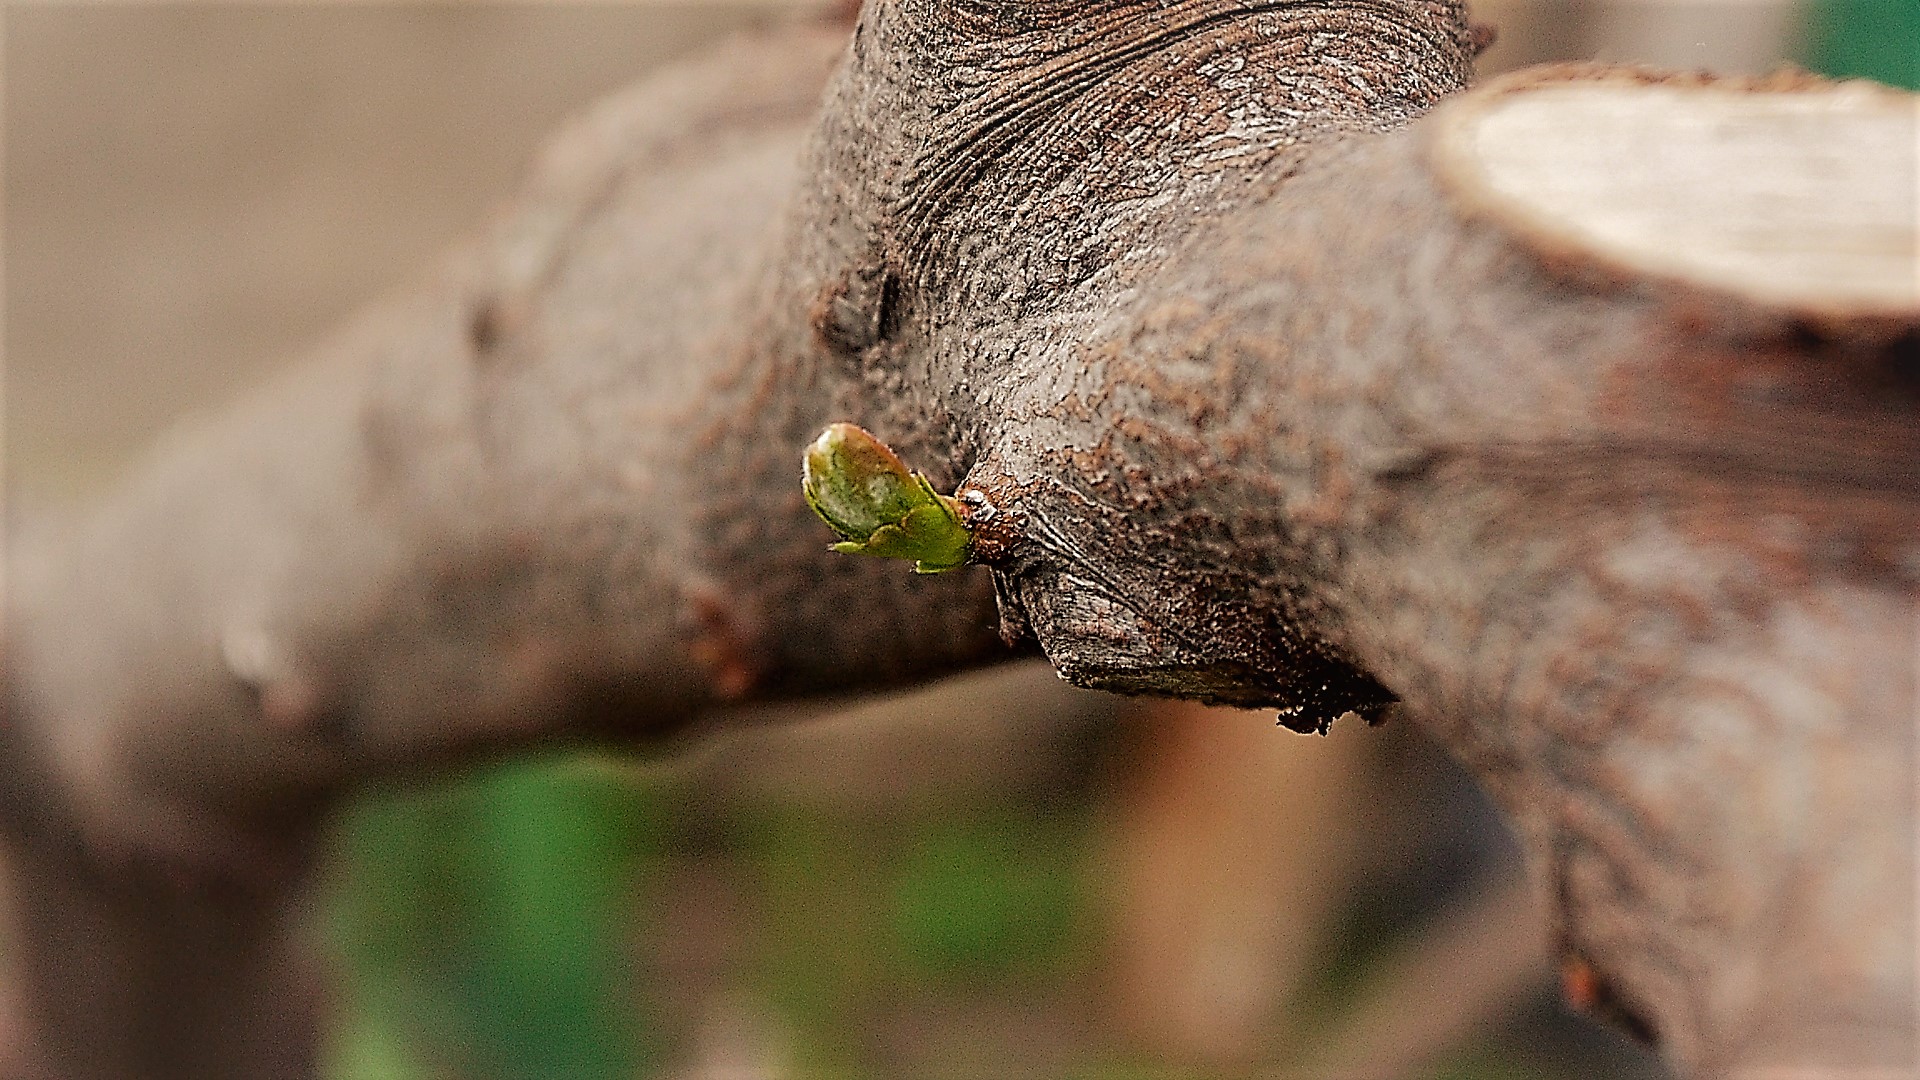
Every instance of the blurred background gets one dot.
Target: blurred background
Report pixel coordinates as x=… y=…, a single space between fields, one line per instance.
x=997 y=877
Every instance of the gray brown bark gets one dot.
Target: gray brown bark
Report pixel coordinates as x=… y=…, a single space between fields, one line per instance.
x=1280 y=399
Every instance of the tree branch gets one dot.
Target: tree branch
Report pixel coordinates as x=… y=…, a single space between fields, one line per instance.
x=1278 y=396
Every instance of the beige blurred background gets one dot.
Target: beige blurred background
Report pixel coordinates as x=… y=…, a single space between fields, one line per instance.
x=195 y=192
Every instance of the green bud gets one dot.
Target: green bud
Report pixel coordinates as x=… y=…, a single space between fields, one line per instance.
x=866 y=495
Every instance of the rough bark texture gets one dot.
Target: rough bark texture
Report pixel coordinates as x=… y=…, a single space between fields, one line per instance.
x=1279 y=397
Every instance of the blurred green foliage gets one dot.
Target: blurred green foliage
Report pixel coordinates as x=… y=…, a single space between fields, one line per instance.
x=489 y=913
x=988 y=899
x=493 y=928
x=1870 y=39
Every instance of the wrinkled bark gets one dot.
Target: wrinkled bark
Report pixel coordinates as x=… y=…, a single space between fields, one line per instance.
x=1577 y=417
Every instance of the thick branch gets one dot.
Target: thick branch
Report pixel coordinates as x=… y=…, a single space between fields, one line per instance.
x=511 y=506
x=1279 y=397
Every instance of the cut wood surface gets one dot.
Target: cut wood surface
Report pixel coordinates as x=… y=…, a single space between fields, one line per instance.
x=1572 y=418
x=1715 y=185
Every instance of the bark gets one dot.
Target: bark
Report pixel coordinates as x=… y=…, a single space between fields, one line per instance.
x=1575 y=415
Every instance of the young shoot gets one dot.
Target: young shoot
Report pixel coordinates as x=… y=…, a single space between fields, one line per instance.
x=868 y=497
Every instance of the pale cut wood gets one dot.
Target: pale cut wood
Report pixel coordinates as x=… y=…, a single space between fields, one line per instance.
x=1807 y=198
